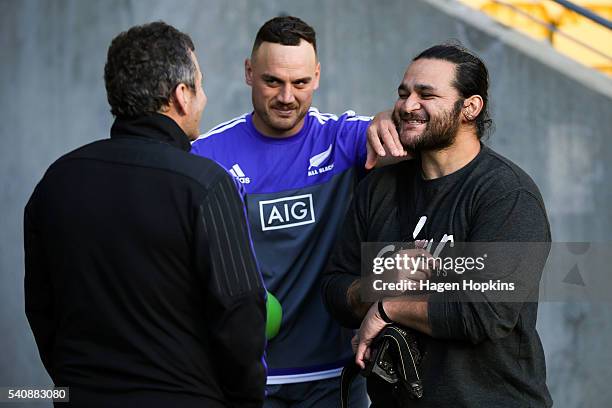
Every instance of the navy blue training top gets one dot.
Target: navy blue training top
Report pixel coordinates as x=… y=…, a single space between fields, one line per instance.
x=298 y=189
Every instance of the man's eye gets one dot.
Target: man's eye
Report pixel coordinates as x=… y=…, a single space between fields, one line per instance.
x=426 y=96
x=402 y=96
x=301 y=83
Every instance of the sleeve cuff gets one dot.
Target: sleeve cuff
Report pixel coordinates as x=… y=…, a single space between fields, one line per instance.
x=335 y=301
x=445 y=316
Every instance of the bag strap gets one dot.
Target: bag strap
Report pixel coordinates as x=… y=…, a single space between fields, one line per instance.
x=349 y=373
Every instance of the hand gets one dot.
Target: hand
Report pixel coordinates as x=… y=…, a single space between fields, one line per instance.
x=383 y=139
x=415 y=265
x=371 y=325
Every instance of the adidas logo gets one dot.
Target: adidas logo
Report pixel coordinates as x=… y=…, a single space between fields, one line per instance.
x=237 y=172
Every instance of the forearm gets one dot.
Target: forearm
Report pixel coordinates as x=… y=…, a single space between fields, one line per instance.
x=335 y=289
x=44 y=334
x=340 y=283
x=236 y=310
x=38 y=295
x=453 y=316
x=353 y=299
x=409 y=311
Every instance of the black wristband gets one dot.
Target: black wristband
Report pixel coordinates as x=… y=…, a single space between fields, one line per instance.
x=381 y=312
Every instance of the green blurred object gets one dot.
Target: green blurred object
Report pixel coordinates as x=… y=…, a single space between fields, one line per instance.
x=274 y=316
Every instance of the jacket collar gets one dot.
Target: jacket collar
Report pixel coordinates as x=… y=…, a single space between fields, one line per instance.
x=155 y=127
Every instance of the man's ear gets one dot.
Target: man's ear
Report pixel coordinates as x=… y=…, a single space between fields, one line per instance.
x=248 y=72
x=317 y=75
x=472 y=107
x=181 y=98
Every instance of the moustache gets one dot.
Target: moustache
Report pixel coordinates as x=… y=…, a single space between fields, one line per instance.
x=414 y=116
x=284 y=107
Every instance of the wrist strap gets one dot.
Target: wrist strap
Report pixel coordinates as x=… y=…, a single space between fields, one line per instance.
x=381 y=312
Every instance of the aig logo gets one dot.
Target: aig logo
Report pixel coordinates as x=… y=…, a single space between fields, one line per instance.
x=286 y=212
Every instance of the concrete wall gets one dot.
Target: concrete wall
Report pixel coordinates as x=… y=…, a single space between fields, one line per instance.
x=553 y=118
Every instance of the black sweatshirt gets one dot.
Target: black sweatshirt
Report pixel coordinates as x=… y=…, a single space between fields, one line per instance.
x=480 y=353
x=141 y=286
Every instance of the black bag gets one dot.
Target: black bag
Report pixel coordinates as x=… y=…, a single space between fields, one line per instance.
x=395 y=358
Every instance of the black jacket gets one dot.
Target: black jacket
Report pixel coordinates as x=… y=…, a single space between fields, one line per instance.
x=141 y=286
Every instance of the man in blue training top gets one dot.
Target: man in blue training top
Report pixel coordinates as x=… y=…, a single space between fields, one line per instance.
x=299 y=168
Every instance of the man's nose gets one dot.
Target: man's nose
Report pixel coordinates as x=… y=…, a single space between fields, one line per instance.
x=285 y=95
x=411 y=104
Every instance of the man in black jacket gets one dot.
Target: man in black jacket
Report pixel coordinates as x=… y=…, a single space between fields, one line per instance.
x=141 y=285
x=481 y=349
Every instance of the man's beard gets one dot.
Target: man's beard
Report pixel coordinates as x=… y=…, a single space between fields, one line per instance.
x=440 y=131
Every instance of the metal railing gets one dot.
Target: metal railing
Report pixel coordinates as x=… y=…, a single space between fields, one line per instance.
x=585 y=13
x=552 y=28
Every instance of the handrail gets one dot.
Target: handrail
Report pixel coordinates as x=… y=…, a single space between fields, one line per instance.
x=552 y=28
x=585 y=13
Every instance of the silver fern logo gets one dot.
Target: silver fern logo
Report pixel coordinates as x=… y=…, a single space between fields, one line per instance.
x=318 y=160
